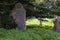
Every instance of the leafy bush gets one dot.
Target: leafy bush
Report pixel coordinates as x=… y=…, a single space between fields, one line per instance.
x=7 y=21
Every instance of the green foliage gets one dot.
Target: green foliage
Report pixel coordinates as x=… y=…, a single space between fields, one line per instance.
x=29 y=34
x=41 y=10
x=33 y=9
x=5 y=9
x=6 y=20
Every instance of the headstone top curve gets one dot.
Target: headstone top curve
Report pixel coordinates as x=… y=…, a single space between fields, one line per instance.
x=18 y=5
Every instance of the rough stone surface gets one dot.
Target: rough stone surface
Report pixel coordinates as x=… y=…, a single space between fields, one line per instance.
x=19 y=16
x=56 y=24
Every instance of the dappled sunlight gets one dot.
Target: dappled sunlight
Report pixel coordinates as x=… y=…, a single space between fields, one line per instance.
x=32 y=22
x=38 y=1
x=47 y=24
x=36 y=22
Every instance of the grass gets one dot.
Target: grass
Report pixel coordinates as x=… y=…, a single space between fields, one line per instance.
x=35 y=33
x=29 y=34
x=35 y=22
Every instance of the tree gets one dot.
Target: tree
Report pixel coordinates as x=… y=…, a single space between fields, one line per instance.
x=40 y=10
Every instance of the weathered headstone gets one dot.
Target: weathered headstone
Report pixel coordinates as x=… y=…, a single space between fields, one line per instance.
x=56 y=24
x=19 y=16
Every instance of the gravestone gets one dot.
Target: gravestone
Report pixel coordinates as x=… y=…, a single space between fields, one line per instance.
x=56 y=24
x=19 y=16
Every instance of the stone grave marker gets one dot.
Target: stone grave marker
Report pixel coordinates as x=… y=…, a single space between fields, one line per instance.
x=19 y=16
x=56 y=24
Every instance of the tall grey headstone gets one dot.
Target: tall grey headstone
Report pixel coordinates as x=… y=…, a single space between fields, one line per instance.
x=19 y=16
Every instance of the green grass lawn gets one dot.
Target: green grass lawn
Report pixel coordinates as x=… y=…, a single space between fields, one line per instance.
x=29 y=34
x=35 y=33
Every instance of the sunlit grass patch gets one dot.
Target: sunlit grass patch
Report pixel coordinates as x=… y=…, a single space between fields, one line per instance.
x=32 y=22
x=49 y=23
x=35 y=22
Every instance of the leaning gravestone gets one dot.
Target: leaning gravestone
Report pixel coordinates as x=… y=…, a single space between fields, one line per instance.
x=56 y=24
x=19 y=16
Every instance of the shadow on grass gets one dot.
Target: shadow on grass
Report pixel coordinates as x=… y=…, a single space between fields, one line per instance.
x=37 y=26
x=32 y=26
